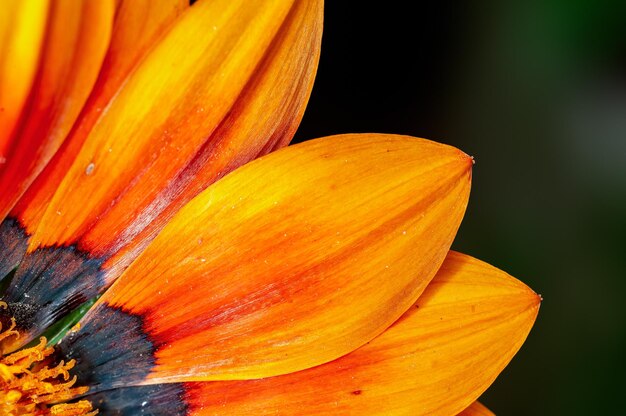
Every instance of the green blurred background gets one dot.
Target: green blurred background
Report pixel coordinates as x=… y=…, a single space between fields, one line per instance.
x=536 y=92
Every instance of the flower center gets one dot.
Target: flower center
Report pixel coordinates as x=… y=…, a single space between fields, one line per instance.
x=30 y=387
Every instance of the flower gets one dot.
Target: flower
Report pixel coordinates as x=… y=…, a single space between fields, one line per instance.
x=148 y=271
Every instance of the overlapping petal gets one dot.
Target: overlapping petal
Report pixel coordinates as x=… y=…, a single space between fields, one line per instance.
x=243 y=86
x=300 y=257
x=22 y=28
x=436 y=360
x=477 y=409
x=442 y=354
x=136 y=28
x=316 y=280
x=204 y=75
x=75 y=40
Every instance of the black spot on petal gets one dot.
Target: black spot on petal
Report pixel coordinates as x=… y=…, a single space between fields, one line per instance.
x=111 y=350
x=13 y=244
x=49 y=284
x=158 y=399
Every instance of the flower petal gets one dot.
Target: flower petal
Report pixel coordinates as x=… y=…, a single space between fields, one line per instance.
x=289 y=262
x=158 y=399
x=170 y=399
x=76 y=39
x=196 y=108
x=22 y=28
x=436 y=360
x=138 y=25
x=169 y=106
x=476 y=409
x=136 y=28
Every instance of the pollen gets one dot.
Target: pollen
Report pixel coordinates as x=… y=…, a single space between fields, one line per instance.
x=30 y=386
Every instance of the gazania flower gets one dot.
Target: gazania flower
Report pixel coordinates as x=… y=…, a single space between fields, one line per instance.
x=146 y=270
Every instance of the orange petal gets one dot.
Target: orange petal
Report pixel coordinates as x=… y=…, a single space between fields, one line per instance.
x=436 y=360
x=477 y=409
x=22 y=28
x=136 y=28
x=290 y=261
x=170 y=399
x=263 y=118
x=75 y=42
x=208 y=110
x=157 y=122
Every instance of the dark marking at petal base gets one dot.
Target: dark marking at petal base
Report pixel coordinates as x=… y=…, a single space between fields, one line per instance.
x=49 y=284
x=158 y=399
x=111 y=350
x=13 y=244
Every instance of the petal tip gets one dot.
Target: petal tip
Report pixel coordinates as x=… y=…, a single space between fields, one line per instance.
x=529 y=301
x=537 y=301
x=462 y=161
x=534 y=299
x=467 y=159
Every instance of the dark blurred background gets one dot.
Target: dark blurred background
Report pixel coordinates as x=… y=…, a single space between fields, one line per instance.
x=536 y=92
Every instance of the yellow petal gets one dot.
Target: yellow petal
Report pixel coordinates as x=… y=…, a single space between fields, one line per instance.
x=138 y=25
x=22 y=26
x=436 y=360
x=295 y=259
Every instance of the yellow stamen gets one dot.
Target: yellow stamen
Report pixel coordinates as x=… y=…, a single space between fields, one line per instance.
x=29 y=387
x=11 y=331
